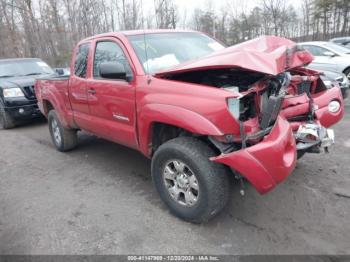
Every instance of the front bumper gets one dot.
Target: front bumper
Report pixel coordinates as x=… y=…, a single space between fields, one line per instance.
x=20 y=109
x=267 y=163
x=312 y=135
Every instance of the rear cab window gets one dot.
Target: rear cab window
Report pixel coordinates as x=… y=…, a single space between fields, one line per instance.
x=81 y=60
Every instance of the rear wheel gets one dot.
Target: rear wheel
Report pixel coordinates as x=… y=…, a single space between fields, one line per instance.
x=193 y=187
x=64 y=139
x=6 y=121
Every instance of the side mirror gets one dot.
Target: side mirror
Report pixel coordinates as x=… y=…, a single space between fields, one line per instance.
x=328 y=53
x=113 y=70
x=59 y=71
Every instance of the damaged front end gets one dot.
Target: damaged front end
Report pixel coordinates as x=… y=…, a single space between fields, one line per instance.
x=311 y=108
x=262 y=149
x=277 y=107
x=311 y=137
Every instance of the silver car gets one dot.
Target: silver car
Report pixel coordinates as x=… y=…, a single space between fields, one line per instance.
x=329 y=56
x=329 y=77
x=344 y=41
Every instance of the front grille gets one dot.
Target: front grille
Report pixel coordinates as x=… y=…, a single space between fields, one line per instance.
x=304 y=87
x=247 y=109
x=270 y=110
x=29 y=91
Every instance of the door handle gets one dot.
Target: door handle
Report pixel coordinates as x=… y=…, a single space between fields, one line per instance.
x=91 y=91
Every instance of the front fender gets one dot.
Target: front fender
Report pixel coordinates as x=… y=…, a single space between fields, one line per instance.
x=171 y=115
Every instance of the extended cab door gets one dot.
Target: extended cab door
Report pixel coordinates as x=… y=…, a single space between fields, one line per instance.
x=77 y=86
x=112 y=101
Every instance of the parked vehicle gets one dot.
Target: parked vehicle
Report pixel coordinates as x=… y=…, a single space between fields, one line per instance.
x=343 y=41
x=329 y=57
x=17 y=96
x=333 y=79
x=200 y=111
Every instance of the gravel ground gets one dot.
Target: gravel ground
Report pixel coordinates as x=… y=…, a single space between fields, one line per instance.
x=99 y=199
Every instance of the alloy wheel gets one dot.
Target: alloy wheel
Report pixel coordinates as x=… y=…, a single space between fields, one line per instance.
x=181 y=183
x=56 y=132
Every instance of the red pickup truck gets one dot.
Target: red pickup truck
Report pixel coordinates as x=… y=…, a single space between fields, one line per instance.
x=202 y=112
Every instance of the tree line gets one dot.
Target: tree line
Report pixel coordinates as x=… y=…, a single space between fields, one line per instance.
x=49 y=29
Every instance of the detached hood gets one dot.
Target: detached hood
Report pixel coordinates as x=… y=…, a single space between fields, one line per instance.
x=267 y=54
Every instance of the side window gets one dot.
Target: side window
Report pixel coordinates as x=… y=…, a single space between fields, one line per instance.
x=315 y=50
x=108 y=51
x=81 y=60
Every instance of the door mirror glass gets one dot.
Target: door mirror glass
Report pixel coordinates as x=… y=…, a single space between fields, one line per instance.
x=113 y=70
x=328 y=53
x=59 y=71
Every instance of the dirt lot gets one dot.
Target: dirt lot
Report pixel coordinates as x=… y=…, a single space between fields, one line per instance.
x=99 y=199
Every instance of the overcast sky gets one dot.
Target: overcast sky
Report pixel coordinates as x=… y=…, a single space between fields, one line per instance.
x=240 y=5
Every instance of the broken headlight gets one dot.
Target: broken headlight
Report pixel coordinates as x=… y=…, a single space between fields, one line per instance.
x=334 y=106
x=233 y=107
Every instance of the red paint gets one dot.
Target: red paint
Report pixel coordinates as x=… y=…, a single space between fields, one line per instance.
x=267 y=163
x=199 y=109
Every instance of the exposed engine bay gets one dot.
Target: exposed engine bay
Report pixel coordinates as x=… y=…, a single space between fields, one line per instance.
x=263 y=97
x=258 y=95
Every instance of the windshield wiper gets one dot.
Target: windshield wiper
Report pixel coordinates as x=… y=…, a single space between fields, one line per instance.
x=33 y=74
x=6 y=76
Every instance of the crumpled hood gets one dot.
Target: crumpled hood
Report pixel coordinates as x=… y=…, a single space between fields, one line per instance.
x=267 y=54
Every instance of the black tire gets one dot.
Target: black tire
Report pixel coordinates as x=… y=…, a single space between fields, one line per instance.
x=347 y=73
x=68 y=137
x=300 y=154
x=6 y=121
x=213 y=180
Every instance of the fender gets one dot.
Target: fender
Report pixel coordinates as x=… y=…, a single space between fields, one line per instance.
x=54 y=97
x=171 y=115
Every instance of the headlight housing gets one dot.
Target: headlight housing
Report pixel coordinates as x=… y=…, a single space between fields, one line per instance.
x=233 y=107
x=13 y=92
x=334 y=106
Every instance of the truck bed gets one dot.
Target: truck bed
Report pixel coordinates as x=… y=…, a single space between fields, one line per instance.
x=55 y=86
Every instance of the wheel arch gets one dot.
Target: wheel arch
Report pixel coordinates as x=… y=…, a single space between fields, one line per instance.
x=156 y=118
x=47 y=107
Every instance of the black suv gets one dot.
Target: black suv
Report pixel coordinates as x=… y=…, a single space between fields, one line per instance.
x=17 y=97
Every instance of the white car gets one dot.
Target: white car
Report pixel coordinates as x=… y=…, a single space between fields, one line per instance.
x=342 y=41
x=329 y=56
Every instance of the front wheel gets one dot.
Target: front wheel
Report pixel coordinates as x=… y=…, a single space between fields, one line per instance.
x=193 y=187
x=347 y=73
x=64 y=139
x=6 y=121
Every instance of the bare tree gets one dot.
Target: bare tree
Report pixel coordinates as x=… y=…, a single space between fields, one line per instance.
x=49 y=29
x=275 y=10
x=129 y=14
x=166 y=14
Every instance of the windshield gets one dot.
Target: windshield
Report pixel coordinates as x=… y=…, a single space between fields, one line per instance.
x=338 y=48
x=24 y=68
x=165 y=50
